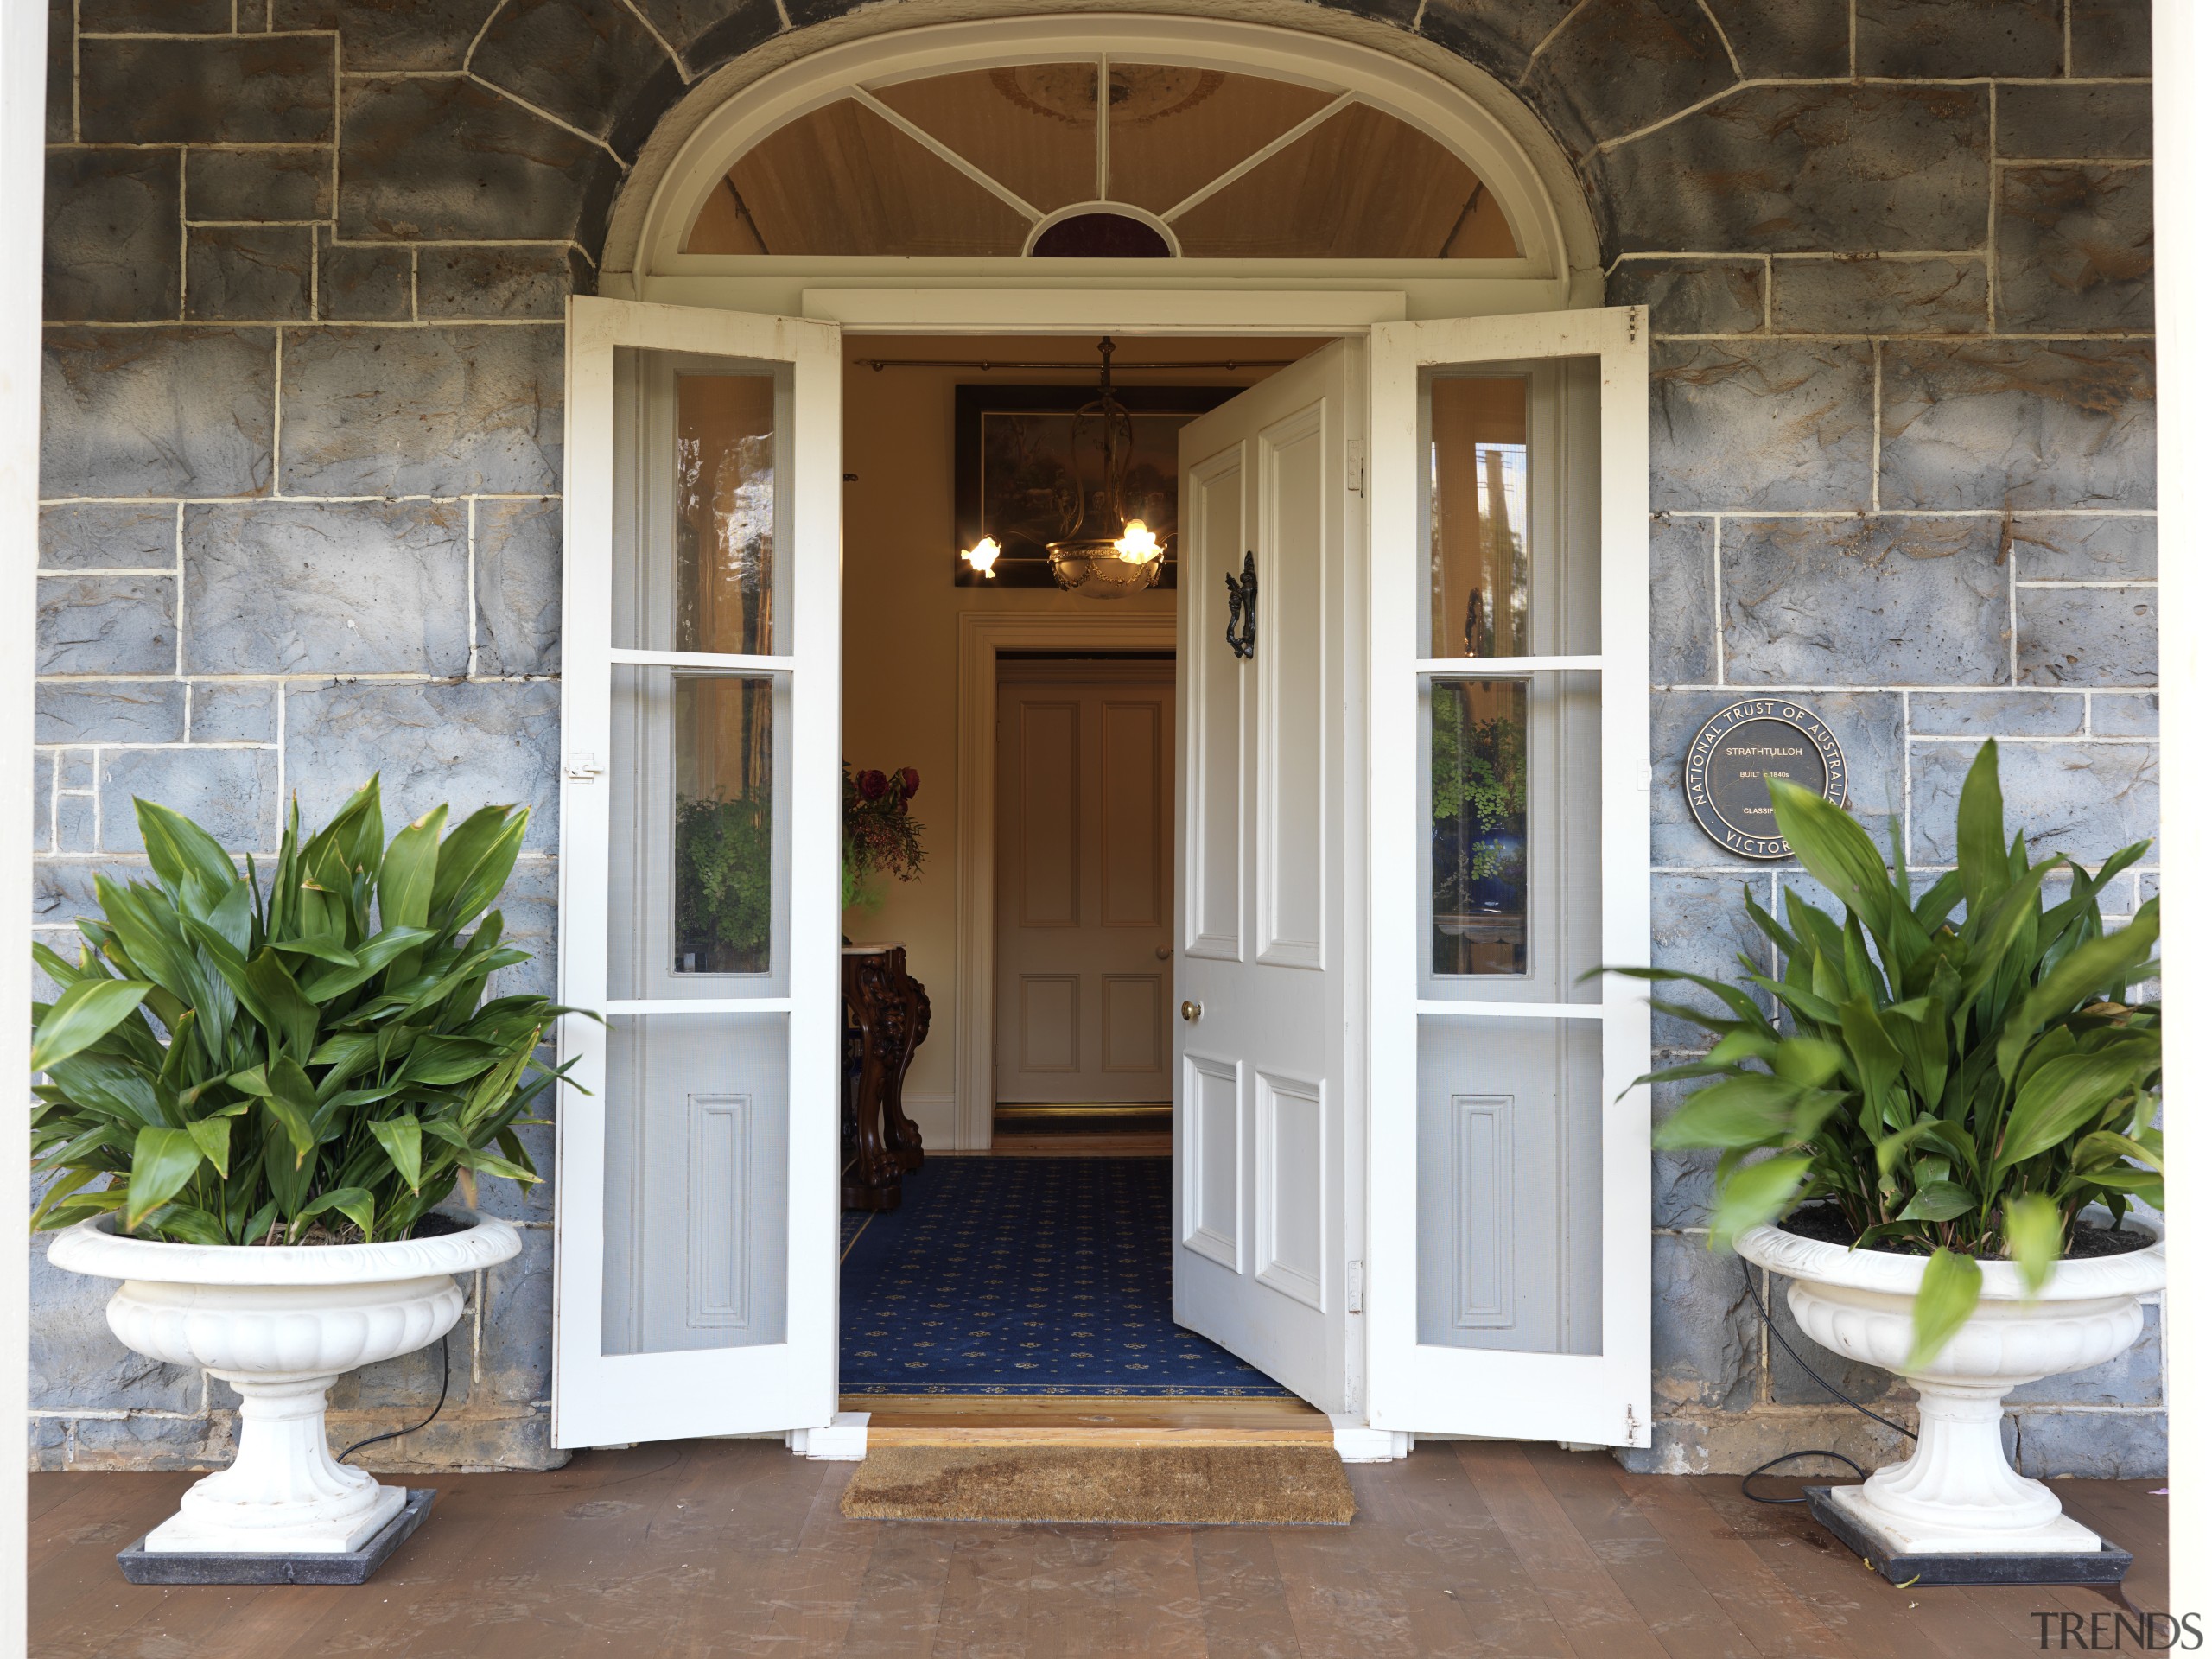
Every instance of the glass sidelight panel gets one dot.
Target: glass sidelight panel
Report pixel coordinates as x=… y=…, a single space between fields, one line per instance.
x=701 y=517
x=1511 y=884
x=1508 y=1205
x=1509 y=486
x=697 y=844
x=698 y=1181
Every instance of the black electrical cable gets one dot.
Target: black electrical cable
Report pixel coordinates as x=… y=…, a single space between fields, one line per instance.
x=445 y=1379
x=1759 y=1302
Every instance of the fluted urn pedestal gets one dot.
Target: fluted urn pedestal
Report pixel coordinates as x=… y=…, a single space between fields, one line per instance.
x=1958 y=1495
x=280 y=1324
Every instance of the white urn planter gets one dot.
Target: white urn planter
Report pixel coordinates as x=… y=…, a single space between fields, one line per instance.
x=1957 y=1495
x=280 y=1324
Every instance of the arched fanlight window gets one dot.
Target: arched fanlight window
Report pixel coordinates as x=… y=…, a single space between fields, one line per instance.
x=1200 y=164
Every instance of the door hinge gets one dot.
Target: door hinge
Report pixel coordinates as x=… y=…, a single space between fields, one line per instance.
x=1355 y=1286
x=1356 y=465
x=581 y=766
x=1632 y=1424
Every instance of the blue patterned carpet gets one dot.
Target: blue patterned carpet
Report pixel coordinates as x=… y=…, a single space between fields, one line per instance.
x=1025 y=1275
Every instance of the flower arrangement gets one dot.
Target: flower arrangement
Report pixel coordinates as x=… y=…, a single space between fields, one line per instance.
x=882 y=837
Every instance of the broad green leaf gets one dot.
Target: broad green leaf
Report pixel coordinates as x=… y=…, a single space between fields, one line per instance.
x=2107 y=1145
x=2059 y=1100
x=2034 y=1234
x=292 y=1018
x=1756 y=1193
x=1938 y=1201
x=1982 y=874
x=402 y=1140
x=2088 y=969
x=181 y=852
x=70 y=1181
x=212 y=1136
x=83 y=1014
x=1948 y=1291
x=161 y=1163
x=410 y=868
x=1808 y=1062
x=356 y=1204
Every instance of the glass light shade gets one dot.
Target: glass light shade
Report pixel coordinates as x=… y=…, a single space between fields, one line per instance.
x=983 y=555
x=1138 y=544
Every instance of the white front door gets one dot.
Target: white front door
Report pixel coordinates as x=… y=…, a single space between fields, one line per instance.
x=1262 y=826
x=1084 y=905
x=696 y=1185
x=1509 y=797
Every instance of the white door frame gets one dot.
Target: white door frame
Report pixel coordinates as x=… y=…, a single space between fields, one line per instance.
x=983 y=636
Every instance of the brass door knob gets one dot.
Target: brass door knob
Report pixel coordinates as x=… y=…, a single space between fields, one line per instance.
x=1192 y=1011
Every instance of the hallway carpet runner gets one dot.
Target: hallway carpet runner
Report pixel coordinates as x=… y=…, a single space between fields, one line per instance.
x=1025 y=1275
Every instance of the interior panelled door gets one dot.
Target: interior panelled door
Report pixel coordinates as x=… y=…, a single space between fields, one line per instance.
x=1510 y=796
x=697 y=1193
x=1262 y=971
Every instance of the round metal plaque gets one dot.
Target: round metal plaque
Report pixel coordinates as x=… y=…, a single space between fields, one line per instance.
x=1734 y=753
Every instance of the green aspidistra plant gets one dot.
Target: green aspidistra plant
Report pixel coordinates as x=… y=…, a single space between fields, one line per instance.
x=1959 y=1071
x=230 y=1065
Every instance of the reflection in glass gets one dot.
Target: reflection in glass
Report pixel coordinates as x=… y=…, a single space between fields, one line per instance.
x=1479 y=790
x=725 y=512
x=724 y=870
x=1479 y=516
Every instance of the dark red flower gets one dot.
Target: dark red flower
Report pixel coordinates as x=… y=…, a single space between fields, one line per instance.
x=910 y=781
x=871 y=785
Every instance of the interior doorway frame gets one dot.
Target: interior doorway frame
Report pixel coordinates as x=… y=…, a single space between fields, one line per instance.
x=984 y=635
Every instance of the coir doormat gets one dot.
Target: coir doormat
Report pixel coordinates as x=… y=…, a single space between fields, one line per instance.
x=1182 y=1486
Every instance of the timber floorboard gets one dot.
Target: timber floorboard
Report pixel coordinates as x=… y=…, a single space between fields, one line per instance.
x=713 y=1548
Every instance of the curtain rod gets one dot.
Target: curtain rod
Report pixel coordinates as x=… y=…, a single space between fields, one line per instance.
x=879 y=364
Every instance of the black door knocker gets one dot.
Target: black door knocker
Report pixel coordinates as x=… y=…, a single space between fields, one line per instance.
x=1243 y=608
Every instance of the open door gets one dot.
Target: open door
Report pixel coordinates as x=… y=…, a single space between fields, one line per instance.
x=697 y=1193
x=1510 y=795
x=1262 y=826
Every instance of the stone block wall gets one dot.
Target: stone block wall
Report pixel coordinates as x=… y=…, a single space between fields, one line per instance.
x=305 y=266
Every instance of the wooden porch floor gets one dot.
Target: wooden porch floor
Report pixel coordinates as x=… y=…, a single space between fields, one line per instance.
x=738 y=1547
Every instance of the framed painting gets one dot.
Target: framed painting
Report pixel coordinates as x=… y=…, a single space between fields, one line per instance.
x=1021 y=478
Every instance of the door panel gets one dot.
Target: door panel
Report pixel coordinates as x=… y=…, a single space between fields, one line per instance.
x=1260 y=1133
x=697 y=1193
x=1213 y=692
x=1084 y=937
x=1510 y=801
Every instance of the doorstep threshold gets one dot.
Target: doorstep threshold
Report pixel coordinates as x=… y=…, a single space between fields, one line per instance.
x=1088 y=1419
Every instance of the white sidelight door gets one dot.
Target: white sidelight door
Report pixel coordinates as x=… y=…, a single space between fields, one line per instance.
x=1270 y=480
x=696 y=1192
x=1509 y=780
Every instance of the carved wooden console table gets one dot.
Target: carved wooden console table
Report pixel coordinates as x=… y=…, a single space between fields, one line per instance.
x=886 y=1017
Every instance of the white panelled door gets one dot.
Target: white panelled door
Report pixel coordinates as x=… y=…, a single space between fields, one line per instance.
x=1508 y=797
x=697 y=1193
x=1260 y=1159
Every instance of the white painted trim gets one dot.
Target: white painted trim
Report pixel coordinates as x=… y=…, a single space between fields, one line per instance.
x=1101 y=205
x=2181 y=51
x=600 y=1399
x=1225 y=311
x=1604 y=1398
x=845 y=1440
x=1477 y=668
x=22 y=183
x=1357 y=1443
x=1415 y=95
x=735 y=661
x=984 y=635
x=1474 y=1010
